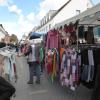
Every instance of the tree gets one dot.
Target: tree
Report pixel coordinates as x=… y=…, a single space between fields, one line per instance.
x=14 y=38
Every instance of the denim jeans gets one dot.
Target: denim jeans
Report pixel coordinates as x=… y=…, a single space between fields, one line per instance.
x=84 y=76
x=34 y=69
x=88 y=73
x=37 y=70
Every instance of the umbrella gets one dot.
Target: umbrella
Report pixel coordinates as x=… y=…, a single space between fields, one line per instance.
x=34 y=35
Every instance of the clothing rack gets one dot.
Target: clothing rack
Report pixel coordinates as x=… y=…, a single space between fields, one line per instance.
x=94 y=25
x=84 y=46
x=89 y=45
x=89 y=25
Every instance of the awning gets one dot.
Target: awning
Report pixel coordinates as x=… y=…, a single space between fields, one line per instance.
x=91 y=19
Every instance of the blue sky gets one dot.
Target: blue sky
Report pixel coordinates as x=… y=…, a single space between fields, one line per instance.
x=20 y=16
x=95 y=1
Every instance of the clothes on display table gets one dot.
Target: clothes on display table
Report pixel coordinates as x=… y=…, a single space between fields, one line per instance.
x=61 y=53
x=52 y=63
x=90 y=61
x=88 y=69
x=42 y=58
x=8 y=65
x=53 y=40
x=90 y=35
x=81 y=31
x=41 y=51
x=96 y=90
x=70 y=69
x=67 y=35
x=79 y=67
x=86 y=33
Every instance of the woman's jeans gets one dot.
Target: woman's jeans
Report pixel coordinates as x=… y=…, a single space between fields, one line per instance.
x=34 y=69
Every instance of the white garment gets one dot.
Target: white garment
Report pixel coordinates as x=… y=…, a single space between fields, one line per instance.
x=31 y=56
x=63 y=59
x=6 y=66
x=90 y=58
x=8 y=63
x=79 y=59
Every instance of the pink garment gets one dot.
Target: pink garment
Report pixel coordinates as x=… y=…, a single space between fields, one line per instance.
x=53 y=39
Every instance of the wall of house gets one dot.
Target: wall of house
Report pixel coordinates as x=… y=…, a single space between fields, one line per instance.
x=70 y=10
x=2 y=33
x=81 y=16
x=45 y=28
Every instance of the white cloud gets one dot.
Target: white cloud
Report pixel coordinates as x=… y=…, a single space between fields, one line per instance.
x=47 y=5
x=41 y=14
x=14 y=9
x=12 y=28
x=3 y=2
x=52 y=4
x=11 y=7
x=31 y=17
x=26 y=23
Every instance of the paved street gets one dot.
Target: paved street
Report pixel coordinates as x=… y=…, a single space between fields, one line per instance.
x=46 y=90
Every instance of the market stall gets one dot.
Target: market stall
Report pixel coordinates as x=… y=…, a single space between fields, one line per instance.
x=72 y=54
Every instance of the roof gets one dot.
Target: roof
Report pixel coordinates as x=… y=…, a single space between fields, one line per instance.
x=2 y=29
x=87 y=17
x=61 y=8
x=56 y=13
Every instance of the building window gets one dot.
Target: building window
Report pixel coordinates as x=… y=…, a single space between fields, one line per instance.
x=78 y=12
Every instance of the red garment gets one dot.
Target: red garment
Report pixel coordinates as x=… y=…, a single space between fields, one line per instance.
x=71 y=29
x=66 y=29
x=53 y=39
x=49 y=68
x=61 y=53
x=14 y=68
x=49 y=65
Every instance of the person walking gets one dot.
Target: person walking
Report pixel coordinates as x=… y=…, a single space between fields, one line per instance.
x=33 y=61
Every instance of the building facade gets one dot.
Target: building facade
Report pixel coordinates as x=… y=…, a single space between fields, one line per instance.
x=69 y=9
x=2 y=33
x=7 y=39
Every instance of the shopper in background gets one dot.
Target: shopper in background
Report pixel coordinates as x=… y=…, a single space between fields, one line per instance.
x=33 y=61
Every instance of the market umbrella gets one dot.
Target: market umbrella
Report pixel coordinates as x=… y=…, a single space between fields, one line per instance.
x=34 y=35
